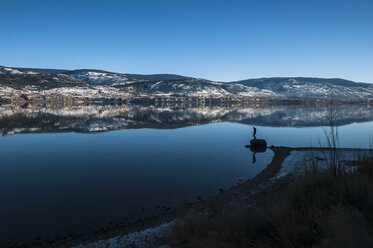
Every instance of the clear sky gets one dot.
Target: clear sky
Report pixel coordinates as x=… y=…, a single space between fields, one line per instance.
x=217 y=40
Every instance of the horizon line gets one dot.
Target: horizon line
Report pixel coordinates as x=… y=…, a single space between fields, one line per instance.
x=175 y=74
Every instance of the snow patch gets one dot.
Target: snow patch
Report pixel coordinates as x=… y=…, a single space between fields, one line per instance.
x=138 y=239
x=298 y=161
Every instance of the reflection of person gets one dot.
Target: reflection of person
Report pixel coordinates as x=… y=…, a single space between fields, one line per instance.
x=254 y=158
x=254 y=134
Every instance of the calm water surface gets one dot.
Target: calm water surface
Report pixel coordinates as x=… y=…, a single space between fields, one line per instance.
x=53 y=183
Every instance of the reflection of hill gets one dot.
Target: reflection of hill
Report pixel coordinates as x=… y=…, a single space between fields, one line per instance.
x=93 y=118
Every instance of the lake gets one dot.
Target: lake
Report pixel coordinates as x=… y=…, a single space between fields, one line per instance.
x=75 y=169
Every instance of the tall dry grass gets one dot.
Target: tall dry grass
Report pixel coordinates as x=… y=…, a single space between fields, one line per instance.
x=321 y=209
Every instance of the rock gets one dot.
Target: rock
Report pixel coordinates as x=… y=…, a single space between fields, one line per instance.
x=258 y=143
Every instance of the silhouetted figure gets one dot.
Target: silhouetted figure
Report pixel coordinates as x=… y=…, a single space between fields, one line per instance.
x=256 y=145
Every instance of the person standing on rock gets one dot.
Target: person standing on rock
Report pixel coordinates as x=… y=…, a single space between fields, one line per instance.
x=254 y=134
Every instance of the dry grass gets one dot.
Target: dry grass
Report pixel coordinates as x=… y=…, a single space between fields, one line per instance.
x=320 y=209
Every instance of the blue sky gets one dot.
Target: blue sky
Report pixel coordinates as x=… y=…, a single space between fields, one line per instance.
x=218 y=40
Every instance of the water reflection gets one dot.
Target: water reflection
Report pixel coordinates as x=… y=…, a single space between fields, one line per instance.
x=54 y=183
x=94 y=118
x=57 y=183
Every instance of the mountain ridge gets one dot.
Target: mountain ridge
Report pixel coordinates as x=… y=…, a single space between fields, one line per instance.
x=68 y=71
x=93 y=83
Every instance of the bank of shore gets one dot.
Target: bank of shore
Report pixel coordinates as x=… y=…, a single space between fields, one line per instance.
x=265 y=185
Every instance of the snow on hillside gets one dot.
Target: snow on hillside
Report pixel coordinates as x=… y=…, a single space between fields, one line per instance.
x=312 y=87
x=102 y=78
x=265 y=87
x=195 y=87
x=11 y=71
x=84 y=83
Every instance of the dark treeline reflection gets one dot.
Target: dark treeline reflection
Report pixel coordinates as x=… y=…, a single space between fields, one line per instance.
x=96 y=118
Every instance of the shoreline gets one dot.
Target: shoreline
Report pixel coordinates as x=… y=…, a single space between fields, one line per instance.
x=280 y=154
x=248 y=192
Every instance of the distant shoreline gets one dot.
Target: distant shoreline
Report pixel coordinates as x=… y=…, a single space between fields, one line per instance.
x=96 y=86
x=159 y=100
